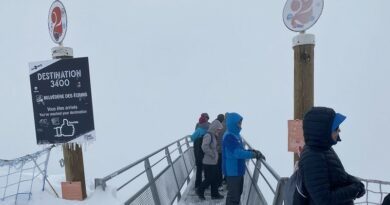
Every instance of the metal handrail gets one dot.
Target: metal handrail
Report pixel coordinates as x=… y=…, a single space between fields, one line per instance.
x=101 y=182
x=278 y=191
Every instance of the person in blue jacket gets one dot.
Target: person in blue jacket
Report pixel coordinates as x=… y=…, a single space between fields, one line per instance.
x=233 y=158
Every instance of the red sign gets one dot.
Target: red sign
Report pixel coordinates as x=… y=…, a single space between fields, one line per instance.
x=295 y=136
x=57 y=22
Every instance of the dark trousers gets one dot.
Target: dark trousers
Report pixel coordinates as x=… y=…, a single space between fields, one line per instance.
x=219 y=173
x=210 y=174
x=234 y=187
x=199 y=174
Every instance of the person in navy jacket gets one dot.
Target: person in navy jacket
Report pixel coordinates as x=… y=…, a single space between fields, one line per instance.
x=324 y=176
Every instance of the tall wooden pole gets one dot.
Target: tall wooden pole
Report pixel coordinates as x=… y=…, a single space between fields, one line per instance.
x=303 y=45
x=73 y=155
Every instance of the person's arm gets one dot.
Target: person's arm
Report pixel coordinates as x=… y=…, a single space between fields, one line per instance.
x=316 y=180
x=234 y=146
x=206 y=145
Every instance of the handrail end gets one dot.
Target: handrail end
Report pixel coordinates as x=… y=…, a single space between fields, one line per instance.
x=100 y=183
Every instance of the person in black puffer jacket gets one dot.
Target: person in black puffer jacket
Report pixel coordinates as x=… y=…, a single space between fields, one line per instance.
x=324 y=177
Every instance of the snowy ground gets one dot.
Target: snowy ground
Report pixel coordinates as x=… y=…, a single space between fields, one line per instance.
x=48 y=197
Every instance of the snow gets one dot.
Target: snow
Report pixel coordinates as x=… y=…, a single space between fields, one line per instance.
x=156 y=65
x=48 y=197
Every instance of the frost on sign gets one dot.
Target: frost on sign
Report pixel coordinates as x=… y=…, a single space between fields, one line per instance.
x=300 y=15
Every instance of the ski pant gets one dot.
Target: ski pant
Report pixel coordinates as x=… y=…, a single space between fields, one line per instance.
x=210 y=172
x=234 y=187
x=199 y=175
x=219 y=173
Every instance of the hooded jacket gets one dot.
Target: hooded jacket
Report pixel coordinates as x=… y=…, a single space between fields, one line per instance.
x=323 y=173
x=233 y=152
x=209 y=145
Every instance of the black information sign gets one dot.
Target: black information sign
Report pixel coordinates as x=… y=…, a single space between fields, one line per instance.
x=62 y=101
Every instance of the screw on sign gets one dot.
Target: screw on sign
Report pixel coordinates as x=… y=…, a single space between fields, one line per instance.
x=300 y=15
x=57 y=22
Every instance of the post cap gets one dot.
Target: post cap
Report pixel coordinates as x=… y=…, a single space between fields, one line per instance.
x=303 y=39
x=61 y=52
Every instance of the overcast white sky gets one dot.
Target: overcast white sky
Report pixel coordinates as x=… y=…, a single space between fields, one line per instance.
x=156 y=65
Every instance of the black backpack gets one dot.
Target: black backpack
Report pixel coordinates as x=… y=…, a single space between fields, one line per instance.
x=295 y=192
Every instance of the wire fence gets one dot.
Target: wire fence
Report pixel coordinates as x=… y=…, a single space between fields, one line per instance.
x=17 y=175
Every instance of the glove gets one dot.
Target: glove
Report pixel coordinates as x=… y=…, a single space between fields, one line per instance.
x=258 y=155
x=361 y=189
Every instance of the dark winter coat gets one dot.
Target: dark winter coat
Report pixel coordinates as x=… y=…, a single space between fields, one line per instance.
x=323 y=173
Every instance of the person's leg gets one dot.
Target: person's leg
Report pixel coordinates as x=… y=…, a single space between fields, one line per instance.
x=199 y=174
x=219 y=171
x=214 y=182
x=234 y=186
x=206 y=182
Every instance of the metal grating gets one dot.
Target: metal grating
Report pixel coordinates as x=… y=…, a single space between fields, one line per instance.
x=145 y=198
x=187 y=160
x=180 y=170
x=167 y=187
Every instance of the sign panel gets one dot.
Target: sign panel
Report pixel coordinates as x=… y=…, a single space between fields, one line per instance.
x=300 y=15
x=295 y=135
x=62 y=101
x=57 y=22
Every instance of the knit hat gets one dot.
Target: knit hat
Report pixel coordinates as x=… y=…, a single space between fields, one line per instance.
x=205 y=115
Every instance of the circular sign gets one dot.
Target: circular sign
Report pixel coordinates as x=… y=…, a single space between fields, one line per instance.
x=57 y=22
x=300 y=15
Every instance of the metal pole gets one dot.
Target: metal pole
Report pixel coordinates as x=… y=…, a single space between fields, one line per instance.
x=169 y=159
x=152 y=183
x=303 y=45
x=73 y=158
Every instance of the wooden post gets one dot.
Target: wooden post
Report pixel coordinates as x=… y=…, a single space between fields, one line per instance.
x=303 y=45
x=73 y=155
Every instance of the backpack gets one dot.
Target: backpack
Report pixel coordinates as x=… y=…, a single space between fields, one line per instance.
x=295 y=192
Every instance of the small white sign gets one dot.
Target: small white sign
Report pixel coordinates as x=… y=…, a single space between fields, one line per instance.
x=57 y=22
x=300 y=15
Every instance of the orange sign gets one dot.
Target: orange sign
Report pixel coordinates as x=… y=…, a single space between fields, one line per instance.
x=71 y=190
x=295 y=135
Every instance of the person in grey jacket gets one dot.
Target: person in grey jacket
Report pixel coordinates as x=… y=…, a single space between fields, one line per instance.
x=210 y=160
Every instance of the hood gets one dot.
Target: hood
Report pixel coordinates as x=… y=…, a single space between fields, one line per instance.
x=317 y=127
x=214 y=126
x=232 y=120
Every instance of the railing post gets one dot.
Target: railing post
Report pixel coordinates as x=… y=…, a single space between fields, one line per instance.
x=279 y=194
x=187 y=143
x=169 y=159
x=255 y=178
x=184 y=160
x=256 y=172
x=152 y=182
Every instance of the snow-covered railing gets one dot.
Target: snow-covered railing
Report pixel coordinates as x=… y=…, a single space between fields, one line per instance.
x=165 y=172
x=17 y=175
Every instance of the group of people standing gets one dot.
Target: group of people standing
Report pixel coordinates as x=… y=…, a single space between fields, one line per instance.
x=219 y=151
